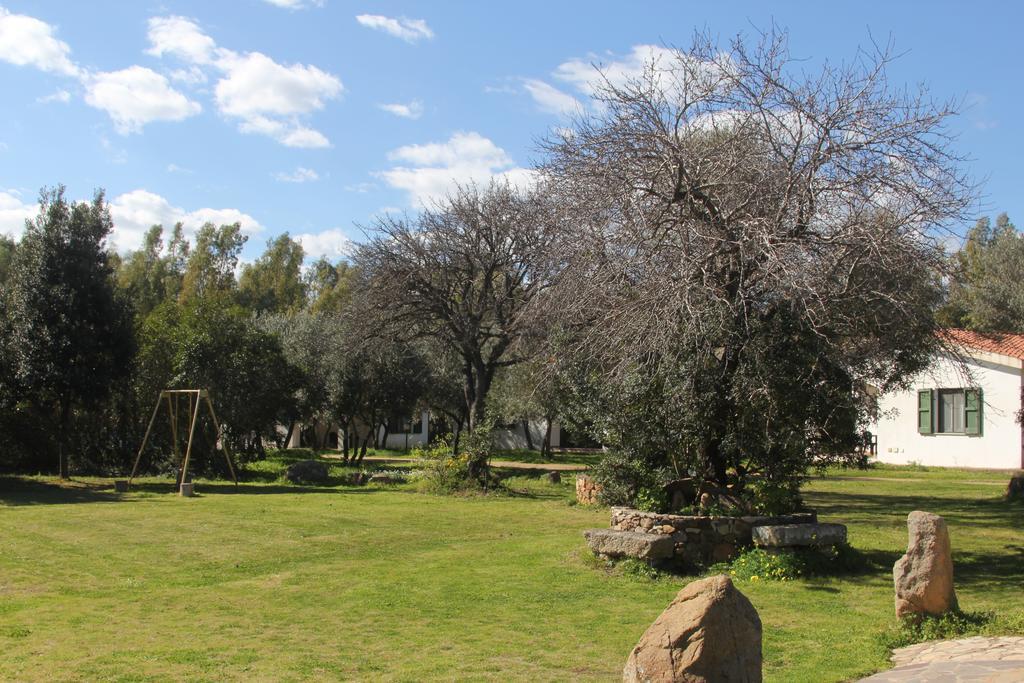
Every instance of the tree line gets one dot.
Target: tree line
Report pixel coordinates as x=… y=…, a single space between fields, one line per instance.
x=710 y=272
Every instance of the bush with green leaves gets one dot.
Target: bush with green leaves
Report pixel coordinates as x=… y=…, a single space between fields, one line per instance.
x=951 y=625
x=757 y=564
x=627 y=479
x=448 y=470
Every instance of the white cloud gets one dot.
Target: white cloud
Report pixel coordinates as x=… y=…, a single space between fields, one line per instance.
x=429 y=172
x=14 y=213
x=550 y=99
x=590 y=75
x=264 y=96
x=27 y=41
x=361 y=188
x=256 y=85
x=191 y=76
x=330 y=243
x=409 y=30
x=296 y=4
x=174 y=168
x=135 y=212
x=413 y=110
x=299 y=175
x=60 y=97
x=182 y=38
x=136 y=96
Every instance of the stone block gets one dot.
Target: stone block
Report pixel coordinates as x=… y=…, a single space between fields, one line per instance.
x=798 y=535
x=612 y=543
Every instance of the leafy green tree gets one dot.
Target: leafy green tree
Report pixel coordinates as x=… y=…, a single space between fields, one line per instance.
x=69 y=334
x=313 y=344
x=329 y=286
x=985 y=293
x=152 y=275
x=7 y=248
x=213 y=345
x=527 y=392
x=211 y=264
x=274 y=282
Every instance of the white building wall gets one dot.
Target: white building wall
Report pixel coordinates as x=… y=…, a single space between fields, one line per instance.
x=999 y=444
x=507 y=439
x=401 y=440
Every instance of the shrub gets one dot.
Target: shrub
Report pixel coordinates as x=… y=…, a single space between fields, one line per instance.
x=448 y=472
x=955 y=624
x=756 y=564
x=629 y=480
x=774 y=498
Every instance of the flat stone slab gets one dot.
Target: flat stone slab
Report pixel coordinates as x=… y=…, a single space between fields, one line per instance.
x=615 y=543
x=953 y=672
x=991 y=659
x=798 y=535
x=976 y=647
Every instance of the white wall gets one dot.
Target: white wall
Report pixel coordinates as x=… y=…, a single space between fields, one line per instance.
x=516 y=437
x=401 y=440
x=998 y=446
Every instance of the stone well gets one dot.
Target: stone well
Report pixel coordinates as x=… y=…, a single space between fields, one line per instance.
x=702 y=540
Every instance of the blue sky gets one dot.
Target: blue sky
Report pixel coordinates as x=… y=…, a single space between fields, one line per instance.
x=313 y=116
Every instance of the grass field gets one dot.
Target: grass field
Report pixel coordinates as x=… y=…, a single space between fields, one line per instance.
x=272 y=581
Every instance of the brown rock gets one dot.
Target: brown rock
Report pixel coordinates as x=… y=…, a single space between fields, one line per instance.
x=1015 y=489
x=586 y=490
x=709 y=633
x=923 y=577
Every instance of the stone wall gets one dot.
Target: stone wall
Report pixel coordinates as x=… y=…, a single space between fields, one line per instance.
x=702 y=540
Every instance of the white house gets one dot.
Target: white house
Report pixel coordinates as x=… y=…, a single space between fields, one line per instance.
x=949 y=418
x=403 y=435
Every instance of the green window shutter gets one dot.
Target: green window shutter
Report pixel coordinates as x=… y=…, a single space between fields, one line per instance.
x=972 y=411
x=924 y=411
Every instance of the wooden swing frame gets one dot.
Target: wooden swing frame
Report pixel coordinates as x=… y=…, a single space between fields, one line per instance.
x=196 y=397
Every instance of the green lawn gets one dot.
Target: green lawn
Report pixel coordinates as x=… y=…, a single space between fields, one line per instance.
x=277 y=582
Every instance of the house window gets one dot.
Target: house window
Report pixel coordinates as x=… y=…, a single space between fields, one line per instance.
x=403 y=425
x=949 y=411
x=398 y=425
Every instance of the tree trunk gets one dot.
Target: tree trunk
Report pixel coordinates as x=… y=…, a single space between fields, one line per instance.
x=545 y=448
x=384 y=435
x=62 y=448
x=529 y=438
x=288 y=436
x=344 y=441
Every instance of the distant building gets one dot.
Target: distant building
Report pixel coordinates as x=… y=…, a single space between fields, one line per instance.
x=948 y=419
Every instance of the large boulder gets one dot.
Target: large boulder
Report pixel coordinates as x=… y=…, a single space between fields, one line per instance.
x=798 y=535
x=924 y=576
x=710 y=633
x=307 y=472
x=614 y=544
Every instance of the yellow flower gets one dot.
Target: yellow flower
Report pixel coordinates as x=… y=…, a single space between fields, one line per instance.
x=754 y=577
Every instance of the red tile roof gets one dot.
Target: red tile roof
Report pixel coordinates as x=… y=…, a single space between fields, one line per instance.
x=1006 y=344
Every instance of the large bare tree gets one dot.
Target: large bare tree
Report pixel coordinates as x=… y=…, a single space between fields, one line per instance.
x=465 y=273
x=756 y=242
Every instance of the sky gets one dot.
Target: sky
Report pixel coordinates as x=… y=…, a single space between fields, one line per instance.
x=313 y=117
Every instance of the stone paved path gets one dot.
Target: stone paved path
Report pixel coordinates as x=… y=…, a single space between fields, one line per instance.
x=977 y=659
